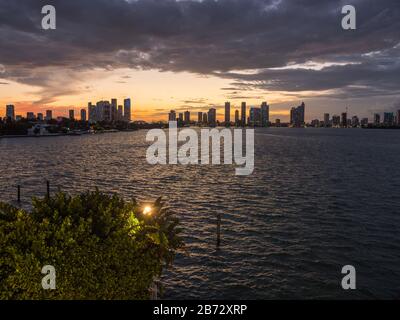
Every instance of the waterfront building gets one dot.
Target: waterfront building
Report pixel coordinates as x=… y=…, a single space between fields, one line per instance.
x=205 y=118
x=227 y=113
x=326 y=120
x=71 y=114
x=181 y=117
x=377 y=119
x=364 y=122
x=30 y=116
x=297 y=116
x=127 y=110
x=120 y=115
x=237 y=117
x=83 y=115
x=10 y=112
x=336 y=121
x=172 y=115
x=49 y=115
x=199 y=117
x=255 y=117
x=264 y=114
x=344 y=120
x=315 y=123
x=114 y=109
x=212 y=117
x=243 y=115
x=355 y=122
x=40 y=116
x=388 y=119
x=187 y=117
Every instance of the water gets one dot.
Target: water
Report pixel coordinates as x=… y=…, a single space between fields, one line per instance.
x=318 y=199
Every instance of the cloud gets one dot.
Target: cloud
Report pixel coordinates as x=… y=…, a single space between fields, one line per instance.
x=206 y=37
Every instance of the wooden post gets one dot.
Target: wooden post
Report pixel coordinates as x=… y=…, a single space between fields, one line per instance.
x=48 y=189
x=19 y=193
x=218 y=230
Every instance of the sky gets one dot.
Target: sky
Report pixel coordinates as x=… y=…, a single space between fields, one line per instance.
x=193 y=55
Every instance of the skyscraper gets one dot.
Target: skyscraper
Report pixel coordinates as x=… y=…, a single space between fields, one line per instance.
x=49 y=115
x=199 y=117
x=205 y=118
x=398 y=117
x=243 y=115
x=326 y=120
x=172 y=115
x=377 y=119
x=297 y=116
x=227 y=113
x=10 y=112
x=120 y=115
x=344 y=120
x=71 y=114
x=212 y=117
x=264 y=114
x=187 y=117
x=40 y=116
x=83 y=115
x=237 y=117
x=114 y=109
x=30 y=116
x=255 y=117
x=127 y=110
x=388 y=119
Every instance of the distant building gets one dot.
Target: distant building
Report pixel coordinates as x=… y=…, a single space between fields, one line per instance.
x=326 y=120
x=91 y=112
x=172 y=115
x=127 y=110
x=355 y=122
x=364 y=122
x=398 y=117
x=297 y=116
x=243 y=115
x=114 y=109
x=187 y=117
x=237 y=117
x=227 y=113
x=278 y=122
x=180 y=117
x=212 y=117
x=18 y=118
x=205 y=118
x=83 y=115
x=377 y=119
x=120 y=115
x=49 y=115
x=199 y=117
x=264 y=114
x=10 y=112
x=30 y=116
x=344 y=120
x=40 y=116
x=388 y=119
x=255 y=117
x=71 y=114
x=315 y=123
x=336 y=121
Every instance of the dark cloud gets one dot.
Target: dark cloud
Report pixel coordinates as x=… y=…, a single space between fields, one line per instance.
x=208 y=37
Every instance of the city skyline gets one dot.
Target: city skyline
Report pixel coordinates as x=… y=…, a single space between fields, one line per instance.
x=201 y=60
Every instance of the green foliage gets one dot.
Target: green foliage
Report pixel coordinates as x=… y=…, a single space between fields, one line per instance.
x=101 y=246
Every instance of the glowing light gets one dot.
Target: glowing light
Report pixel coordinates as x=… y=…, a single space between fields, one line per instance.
x=147 y=210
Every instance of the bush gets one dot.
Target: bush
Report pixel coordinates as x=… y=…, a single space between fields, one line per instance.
x=101 y=246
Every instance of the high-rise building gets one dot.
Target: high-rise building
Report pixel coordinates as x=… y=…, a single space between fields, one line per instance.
x=114 y=109
x=297 y=116
x=364 y=122
x=205 y=118
x=49 y=115
x=355 y=122
x=10 y=112
x=344 y=120
x=187 y=117
x=180 y=117
x=255 y=117
x=212 y=117
x=172 y=115
x=326 y=120
x=388 y=119
x=237 y=117
x=40 y=116
x=377 y=119
x=243 y=115
x=227 y=113
x=127 y=110
x=83 y=115
x=398 y=117
x=336 y=121
x=199 y=117
x=30 y=116
x=264 y=114
x=92 y=112
x=120 y=115
x=71 y=114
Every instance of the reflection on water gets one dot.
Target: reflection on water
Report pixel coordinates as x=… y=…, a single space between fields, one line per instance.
x=318 y=199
